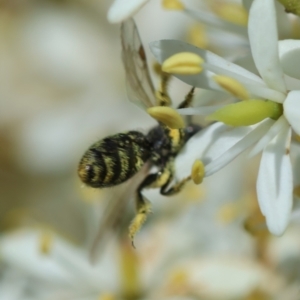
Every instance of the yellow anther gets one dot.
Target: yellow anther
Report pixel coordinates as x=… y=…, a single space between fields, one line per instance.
x=184 y=63
x=232 y=86
x=107 y=296
x=247 y=112
x=172 y=4
x=291 y=6
x=178 y=283
x=46 y=242
x=166 y=115
x=139 y=220
x=198 y=171
x=232 y=12
x=228 y=213
x=197 y=36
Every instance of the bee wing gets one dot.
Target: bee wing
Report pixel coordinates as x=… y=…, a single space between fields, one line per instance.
x=139 y=85
x=116 y=213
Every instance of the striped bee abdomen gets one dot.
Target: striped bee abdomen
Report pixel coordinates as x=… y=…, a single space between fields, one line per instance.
x=114 y=159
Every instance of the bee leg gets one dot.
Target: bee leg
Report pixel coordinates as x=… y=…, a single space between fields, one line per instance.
x=161 y=94
x=176 y=188
x=143 y=207
x=188 y=99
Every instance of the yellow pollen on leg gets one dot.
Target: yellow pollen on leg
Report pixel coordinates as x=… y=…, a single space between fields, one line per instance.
x=175 y=137
x=184 y=63
x=139 y=220
x=232 y=86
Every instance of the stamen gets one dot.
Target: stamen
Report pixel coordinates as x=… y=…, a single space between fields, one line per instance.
x=247 y=112
x=197 y=36
x=173 y=4
x=107 y=296
x=184 y=63
x=232 y=86
x=232 y=12
x=166 y=115
x=198 y=171
x=46 y=242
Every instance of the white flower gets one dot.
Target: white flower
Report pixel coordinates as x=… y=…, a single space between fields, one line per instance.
x=121 y=10
x=220 y=144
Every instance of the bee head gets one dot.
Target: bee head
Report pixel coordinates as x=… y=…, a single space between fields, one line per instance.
x=190 y=130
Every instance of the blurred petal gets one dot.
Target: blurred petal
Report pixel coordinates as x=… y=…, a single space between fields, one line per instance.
x=264 y=43
x=275 y=182
x=121 y=10
x=226 y=151
x=291 y=110
x=289 y=51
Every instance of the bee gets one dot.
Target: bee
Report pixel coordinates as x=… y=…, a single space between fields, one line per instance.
x=117 y=158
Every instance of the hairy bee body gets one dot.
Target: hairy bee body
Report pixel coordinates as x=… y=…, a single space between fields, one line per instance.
x=117 y=158
x=114 y=159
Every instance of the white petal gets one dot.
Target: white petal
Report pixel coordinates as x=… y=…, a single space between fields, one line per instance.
x=197 y=146
x=226 y=154
x=21 y=249
x=215 y=21
x=284 y=23
x=121 y=10
x=275 y=182
x=262 y=28
x=291 y=108
x=268 y=137
x=217 y=65
x=289 y=51
x=247 y=4
x=292 y=83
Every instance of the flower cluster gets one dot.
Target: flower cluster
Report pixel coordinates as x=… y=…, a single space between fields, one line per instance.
x=267 y=111
x=265 y=118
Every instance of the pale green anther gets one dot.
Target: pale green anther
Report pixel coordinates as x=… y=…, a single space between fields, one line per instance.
x=247 y=112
